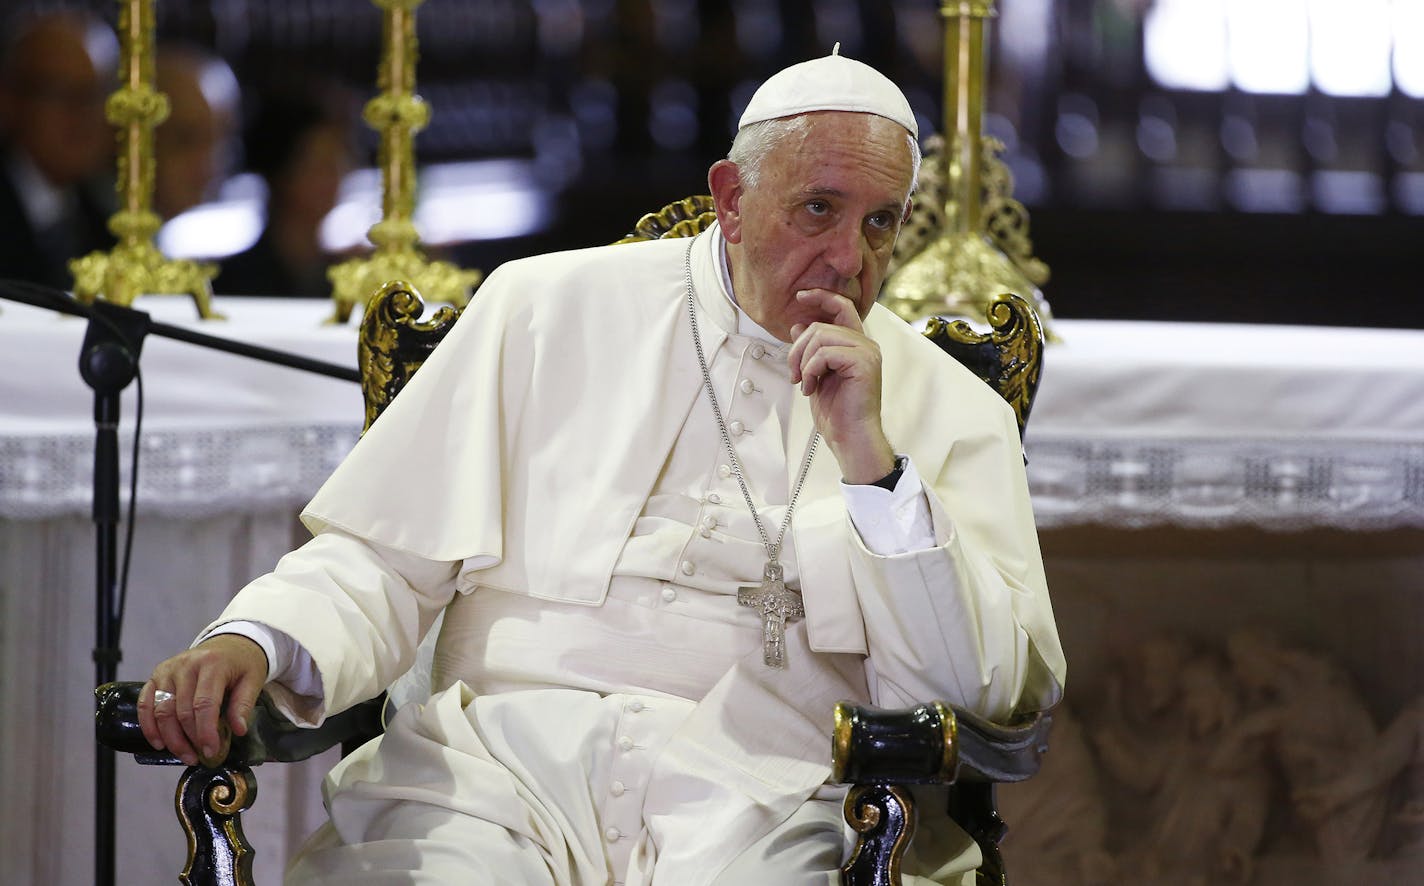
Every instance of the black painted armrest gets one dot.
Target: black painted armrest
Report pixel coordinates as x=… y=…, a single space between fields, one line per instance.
x=994 y=752
x=934 y=744
x=270 y=737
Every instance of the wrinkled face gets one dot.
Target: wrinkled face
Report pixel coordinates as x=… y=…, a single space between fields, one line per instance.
x=824 y=214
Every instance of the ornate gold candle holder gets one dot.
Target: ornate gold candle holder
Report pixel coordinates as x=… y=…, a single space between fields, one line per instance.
x=134 y=266
x=967 y=239
x=397 y=114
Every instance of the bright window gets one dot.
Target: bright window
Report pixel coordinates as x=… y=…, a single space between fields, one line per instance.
x=1355 y=48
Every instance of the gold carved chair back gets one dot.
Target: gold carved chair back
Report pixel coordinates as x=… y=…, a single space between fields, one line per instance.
x=393 y=342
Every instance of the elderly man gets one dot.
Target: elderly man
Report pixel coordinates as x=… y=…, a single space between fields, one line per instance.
x=56 y=171
x=612 y=450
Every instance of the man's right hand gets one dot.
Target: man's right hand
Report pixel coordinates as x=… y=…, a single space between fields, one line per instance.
x=189 y=722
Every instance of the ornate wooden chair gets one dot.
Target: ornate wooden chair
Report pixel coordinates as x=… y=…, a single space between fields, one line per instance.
x=880 y=753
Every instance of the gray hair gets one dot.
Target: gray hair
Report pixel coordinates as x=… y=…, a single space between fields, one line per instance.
x=755 y=141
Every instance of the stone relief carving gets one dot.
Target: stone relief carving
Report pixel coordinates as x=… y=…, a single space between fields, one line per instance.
x=1392 y=766
x=1240 y=761
x=1313 y=721
x=1057 y=819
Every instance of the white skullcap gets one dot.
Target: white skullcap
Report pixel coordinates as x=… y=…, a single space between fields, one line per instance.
x=833 y=83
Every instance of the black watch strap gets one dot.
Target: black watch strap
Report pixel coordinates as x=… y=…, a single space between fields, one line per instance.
x=890 y=480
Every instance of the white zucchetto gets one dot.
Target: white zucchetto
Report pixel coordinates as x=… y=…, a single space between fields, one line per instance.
x=832 y=83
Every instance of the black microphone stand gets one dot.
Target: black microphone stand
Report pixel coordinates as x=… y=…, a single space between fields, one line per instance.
x=108 y=362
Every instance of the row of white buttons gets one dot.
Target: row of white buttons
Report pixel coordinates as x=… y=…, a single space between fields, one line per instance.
x=626 y=743
x=736 y=429
x=747 y=386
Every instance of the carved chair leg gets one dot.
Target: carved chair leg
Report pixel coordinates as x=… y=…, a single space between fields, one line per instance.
x=972 y=805
x=210 y=803
x=884 y=818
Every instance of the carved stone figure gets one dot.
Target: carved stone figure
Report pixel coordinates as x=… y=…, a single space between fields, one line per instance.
x=1206 y=801
x=1311 y=718
x=1141 y=709
x=1395 y=759
x=1057 y=819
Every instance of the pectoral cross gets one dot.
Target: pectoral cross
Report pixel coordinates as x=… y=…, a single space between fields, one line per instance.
x=777 y=605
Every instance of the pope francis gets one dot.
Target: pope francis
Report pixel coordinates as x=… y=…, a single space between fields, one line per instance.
x=674 y=500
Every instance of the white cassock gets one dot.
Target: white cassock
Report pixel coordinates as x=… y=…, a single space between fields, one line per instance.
x=553 y=479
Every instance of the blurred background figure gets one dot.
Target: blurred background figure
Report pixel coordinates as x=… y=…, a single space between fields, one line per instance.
x=196 y=146
x=302 y=144
x=56 y=149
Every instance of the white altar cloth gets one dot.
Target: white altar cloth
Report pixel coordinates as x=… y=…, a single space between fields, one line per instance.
x=1211 y=425
x=221 y=432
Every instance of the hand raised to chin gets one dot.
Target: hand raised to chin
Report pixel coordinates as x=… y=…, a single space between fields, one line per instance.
x=839 y=367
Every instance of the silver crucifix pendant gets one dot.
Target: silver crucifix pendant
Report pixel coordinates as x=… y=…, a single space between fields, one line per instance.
x=777 y=605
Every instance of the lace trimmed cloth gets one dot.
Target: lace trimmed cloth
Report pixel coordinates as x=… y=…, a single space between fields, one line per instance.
x=222 y=434
x=1137 y=424
x=1208 y=425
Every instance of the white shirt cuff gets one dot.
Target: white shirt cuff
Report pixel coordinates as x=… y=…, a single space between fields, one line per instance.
x=288 y=662
x=891 y=521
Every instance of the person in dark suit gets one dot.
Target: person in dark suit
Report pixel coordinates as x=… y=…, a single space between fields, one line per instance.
x=56 y=166
x=302 y=144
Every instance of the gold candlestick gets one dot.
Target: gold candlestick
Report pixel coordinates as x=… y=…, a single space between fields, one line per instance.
x=967 y=238
x=134 y=266
x=397 y=114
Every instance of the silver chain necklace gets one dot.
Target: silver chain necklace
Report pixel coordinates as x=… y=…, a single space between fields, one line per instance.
x=777 y=603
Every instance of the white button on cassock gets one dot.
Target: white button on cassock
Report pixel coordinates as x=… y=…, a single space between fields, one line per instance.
x=669 y=595
x=714 y=498
x=688 y=568
x=617 y=789
x=736 y=428
x=747 y=386
x=637 y=706
x=613 y=835
x=625 y=743
x=724 y=471
x=757 y=352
